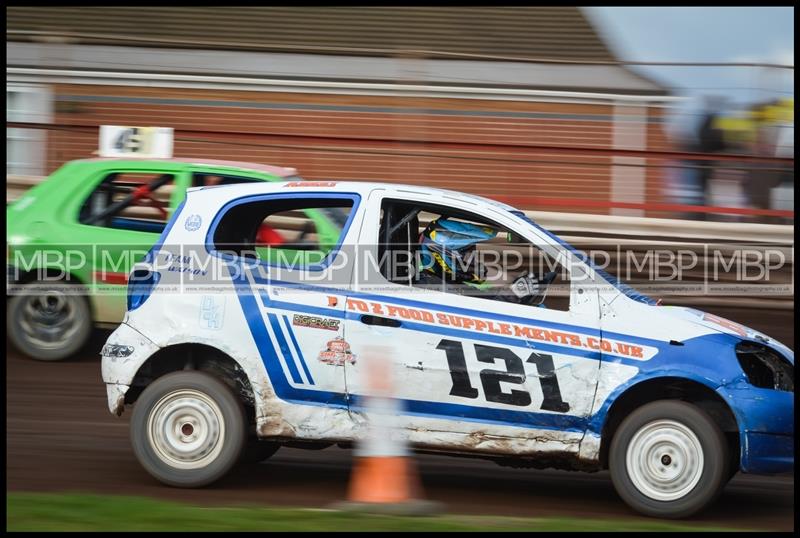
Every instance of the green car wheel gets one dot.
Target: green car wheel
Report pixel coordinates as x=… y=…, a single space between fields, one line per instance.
x=47 y=322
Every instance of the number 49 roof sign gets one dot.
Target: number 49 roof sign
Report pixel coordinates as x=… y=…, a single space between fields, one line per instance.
x=136 y=142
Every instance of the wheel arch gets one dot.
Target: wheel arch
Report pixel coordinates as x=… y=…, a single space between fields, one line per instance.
x=670 y=387
x=195 y=356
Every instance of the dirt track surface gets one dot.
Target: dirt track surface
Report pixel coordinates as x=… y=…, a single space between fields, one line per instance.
x=61 y=437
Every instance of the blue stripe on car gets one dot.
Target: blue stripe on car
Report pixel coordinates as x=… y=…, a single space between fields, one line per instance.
x=297 y=349
x=287 y=355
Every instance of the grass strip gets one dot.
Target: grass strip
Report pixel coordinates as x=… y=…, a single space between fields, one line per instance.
x=83 y=512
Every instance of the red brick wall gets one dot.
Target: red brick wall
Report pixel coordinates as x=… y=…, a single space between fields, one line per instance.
x=484 y=147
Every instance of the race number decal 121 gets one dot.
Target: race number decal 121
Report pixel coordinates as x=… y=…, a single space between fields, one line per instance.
x=514 y=373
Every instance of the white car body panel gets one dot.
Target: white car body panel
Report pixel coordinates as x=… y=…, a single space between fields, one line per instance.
x=231 y=323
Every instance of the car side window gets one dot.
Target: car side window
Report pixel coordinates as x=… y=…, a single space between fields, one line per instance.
x=455 y=251
x=293 y=232
x=130 y=201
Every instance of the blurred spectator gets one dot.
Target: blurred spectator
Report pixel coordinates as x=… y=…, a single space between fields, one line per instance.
x=691 y=185
x=783 y=195
x=765 y=130
x=710 y=139
x=770 y=141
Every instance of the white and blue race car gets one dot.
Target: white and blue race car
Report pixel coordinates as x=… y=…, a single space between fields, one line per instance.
x=248 y=322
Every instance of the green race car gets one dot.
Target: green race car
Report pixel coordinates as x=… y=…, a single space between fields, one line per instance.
x=73 y=239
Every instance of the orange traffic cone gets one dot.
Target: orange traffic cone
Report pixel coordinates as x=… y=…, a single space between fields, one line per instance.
x=384 y=478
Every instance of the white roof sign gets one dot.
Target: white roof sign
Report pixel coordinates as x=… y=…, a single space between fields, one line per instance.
x=137 y=142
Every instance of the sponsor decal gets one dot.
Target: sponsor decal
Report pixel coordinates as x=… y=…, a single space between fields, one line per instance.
x=337 y=352
x=116 y=350
x=513 y=330
x=193 y=222
x=311 y=184
x=741 y=330
x=315 y=322
x=184 y=264
x=212 y=312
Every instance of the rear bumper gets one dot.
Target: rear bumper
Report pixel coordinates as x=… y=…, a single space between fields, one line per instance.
x=116 y=397
x=122 y=355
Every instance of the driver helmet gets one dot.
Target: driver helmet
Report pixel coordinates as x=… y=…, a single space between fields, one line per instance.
x=447 y=249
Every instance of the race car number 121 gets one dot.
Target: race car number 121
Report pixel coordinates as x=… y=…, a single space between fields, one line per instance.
x=513 y=374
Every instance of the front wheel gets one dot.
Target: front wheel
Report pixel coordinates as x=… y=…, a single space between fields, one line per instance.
x=188 y=429
x=669 y=459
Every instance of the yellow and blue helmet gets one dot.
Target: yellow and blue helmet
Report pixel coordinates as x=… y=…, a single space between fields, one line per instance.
x=447 y=247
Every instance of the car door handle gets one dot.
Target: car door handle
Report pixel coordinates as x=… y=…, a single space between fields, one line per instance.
x=377 y=320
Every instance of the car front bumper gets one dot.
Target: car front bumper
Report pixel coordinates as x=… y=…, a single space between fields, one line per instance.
x=766 y=427
x=764 y=453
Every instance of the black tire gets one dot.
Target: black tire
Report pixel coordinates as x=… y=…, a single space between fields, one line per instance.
x=713 y=473
x=257 y=451
x=27 y=316
x=222 y=451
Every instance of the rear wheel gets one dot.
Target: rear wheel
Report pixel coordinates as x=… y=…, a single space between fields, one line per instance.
x=669 y=459
x=48 y=321
x=188 y=429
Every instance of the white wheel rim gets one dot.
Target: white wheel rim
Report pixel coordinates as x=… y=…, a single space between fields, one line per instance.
x=186 y=429
x=664 y=460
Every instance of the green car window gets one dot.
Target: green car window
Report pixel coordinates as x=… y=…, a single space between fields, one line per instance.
x=130 y=201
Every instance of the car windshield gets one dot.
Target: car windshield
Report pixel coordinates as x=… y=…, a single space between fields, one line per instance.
x=613 y=280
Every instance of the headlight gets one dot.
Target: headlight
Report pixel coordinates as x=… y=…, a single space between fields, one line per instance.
x=764 y=367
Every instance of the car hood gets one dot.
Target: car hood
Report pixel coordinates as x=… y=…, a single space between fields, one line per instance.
x=726 y=326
